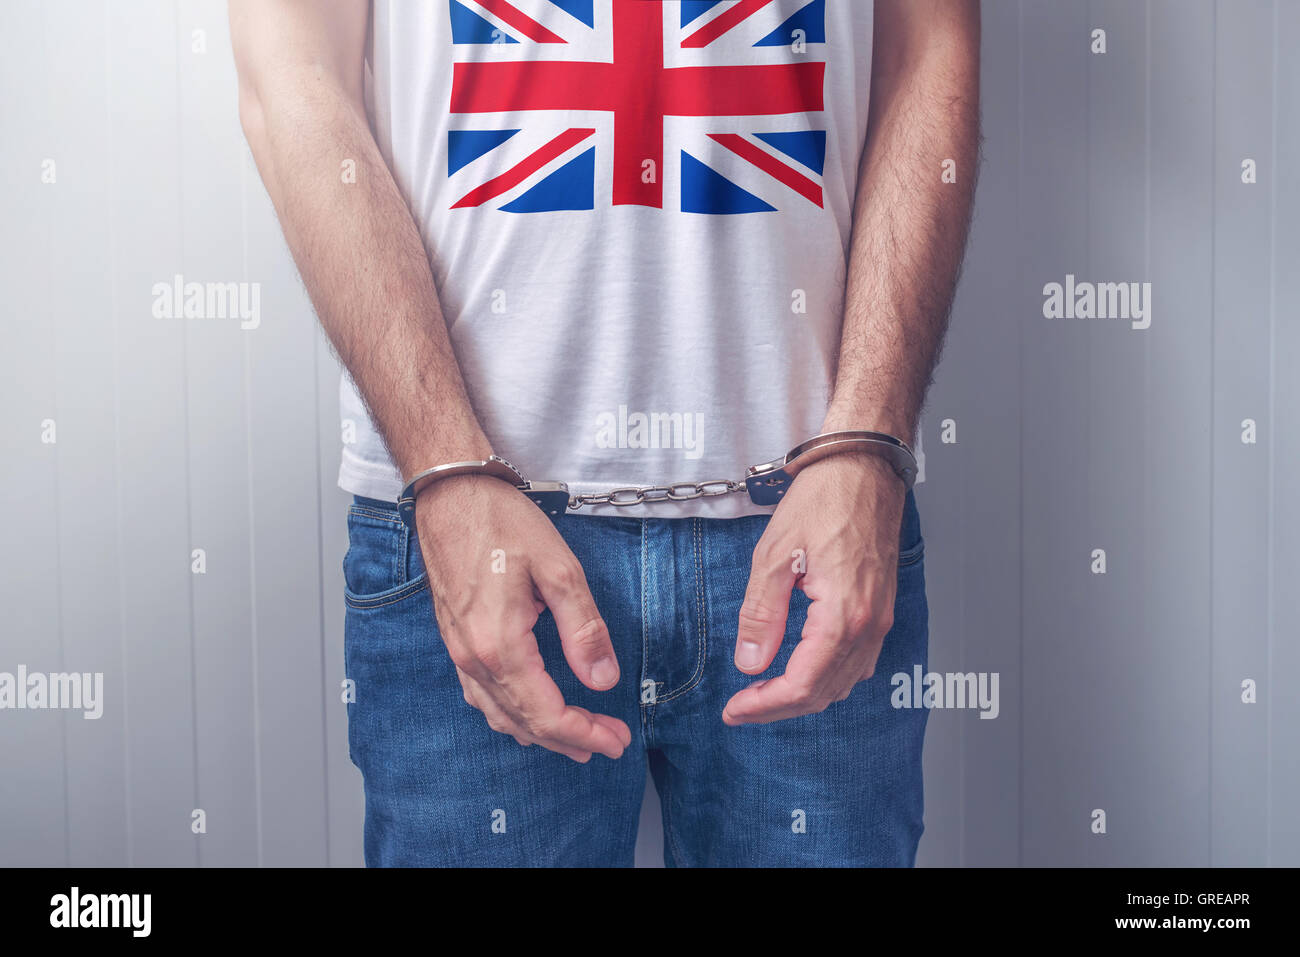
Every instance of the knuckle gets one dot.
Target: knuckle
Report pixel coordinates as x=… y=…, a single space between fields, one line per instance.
x=568 y=575
x=491 y=662
x=859 y=619
x=541 y=726
x=592 y=635
x=755 y=614
x=765 y=554
x=805 y=693
x=466 y=661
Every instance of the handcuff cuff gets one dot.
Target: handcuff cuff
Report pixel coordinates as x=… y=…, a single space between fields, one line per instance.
x=765 y=483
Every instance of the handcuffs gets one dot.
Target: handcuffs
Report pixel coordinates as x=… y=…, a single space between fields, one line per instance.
x=766 y=483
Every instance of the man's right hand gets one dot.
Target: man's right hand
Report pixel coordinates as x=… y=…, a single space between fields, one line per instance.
x=495 y=562
x=301 y=104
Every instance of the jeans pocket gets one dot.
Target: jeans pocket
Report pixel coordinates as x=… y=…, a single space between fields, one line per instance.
x=911 y=544
x=382 y=564
x=912 y=555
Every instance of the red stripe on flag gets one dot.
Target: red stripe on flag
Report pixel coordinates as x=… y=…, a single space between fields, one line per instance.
x=742 y=90
x=771 y=165
x=521 y=21
x=638 y=68
x=723 y=22
x=522 y=170
x=478 y=87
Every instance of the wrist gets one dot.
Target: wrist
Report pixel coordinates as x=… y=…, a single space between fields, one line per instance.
x=445 y=508
x=859 y=467
x=469 y=448
x=453 y=482
x=841 y=417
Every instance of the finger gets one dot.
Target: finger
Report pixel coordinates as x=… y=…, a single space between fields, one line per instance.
x=620 y=728
x=864 y=626
x=765 y=610
x=498 y=721
x=578 y=724
x=583 y=633
x=501 y=654
x=477 y=698
x=807 y=687
x=532 y=699
x=603 y=726
x=765 y=701
x=470 y=688
x=851 y=623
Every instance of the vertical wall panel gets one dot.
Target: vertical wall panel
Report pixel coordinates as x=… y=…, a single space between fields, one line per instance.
x=1119 y=711
x=210 y=251
x=987 y=351
x=283 y=469
x=1063 y=757
x=33 y=792
x=1240 y=383
x=82 y=324
x=154 y=436
x=343 y=780
x=1172 y=641
x=284 y=474
x=1281 y=700
x=1149 y=819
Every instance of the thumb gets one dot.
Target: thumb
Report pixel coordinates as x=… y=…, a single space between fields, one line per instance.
x=764 y=612
x=584 y=635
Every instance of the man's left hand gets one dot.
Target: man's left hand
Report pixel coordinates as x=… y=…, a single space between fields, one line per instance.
x=834 y=535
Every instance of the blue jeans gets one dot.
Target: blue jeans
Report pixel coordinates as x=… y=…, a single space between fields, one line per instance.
x=842 y=787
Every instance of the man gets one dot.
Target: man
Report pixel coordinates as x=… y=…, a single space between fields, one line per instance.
x=626 y=244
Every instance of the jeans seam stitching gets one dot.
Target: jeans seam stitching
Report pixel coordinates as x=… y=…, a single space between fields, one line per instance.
x=404 y=592
x=399 y=559
x=911 y=556
x=700 y=632
x=362 y=512
x=647 y=710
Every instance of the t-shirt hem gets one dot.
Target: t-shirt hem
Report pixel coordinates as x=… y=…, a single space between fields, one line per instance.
x=383 y=485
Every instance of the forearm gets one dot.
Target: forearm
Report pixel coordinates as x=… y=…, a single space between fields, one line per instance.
x=363 y=264
x=910 y=226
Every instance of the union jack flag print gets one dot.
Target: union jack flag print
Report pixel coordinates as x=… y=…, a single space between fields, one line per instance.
x=570 y=104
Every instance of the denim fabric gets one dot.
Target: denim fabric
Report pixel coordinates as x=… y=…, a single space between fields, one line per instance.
x=838 y=788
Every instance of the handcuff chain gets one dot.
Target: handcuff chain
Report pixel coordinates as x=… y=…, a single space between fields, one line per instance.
x=639 y=494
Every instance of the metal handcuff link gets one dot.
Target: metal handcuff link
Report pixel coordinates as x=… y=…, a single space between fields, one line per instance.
x=766 y=483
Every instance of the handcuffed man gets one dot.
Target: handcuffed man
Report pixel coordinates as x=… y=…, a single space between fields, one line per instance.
x=638 y=303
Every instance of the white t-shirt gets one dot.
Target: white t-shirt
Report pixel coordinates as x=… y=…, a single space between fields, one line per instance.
x=637 y=215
